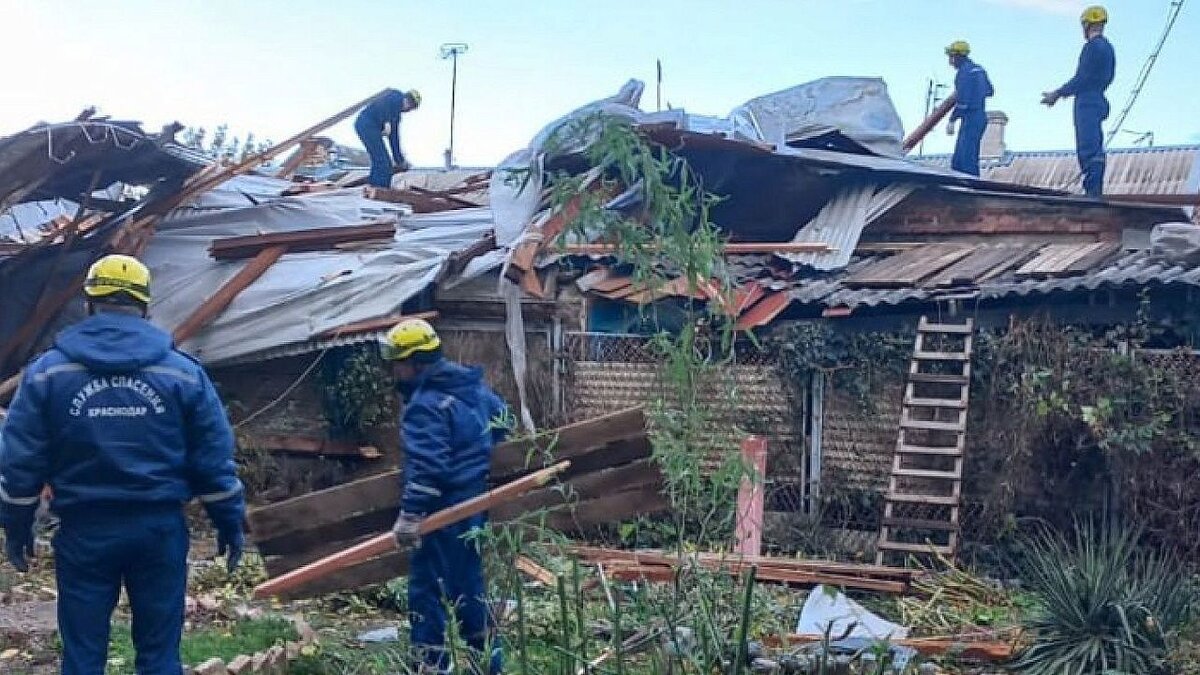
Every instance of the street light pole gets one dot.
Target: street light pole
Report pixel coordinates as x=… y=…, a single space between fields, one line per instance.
x=451 y=50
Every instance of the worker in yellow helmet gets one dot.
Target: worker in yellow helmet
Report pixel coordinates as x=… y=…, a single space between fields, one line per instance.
x=1095 y=72
x=125 y=430
x=971 y=90
x=451 y=422
x=382 y=116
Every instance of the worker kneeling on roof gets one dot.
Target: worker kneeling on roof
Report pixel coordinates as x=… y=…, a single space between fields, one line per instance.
x=382 y=116
x=971 y=89
x=450 y=425
x=125 y=429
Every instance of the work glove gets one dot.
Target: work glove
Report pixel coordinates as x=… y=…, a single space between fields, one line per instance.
x=950 y=128
x=1049 y=98
x=18 y=535
x=230 y=543
x=406 y=531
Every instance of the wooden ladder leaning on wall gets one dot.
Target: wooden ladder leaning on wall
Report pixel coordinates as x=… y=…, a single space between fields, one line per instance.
x=923 y=502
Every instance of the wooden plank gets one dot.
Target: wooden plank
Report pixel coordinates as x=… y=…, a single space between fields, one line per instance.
x=909 y=449
x=375 y=571
x=926 y=326
x=935 y=500
x=536 y=572
x=916 y=402
x=316 y=239
x=591 y=445
x=909 y=267
x=922 y=130
x=373 y=325
x=941 y=356
x=312 y=445
x=927 y=473
x=1060 y=259
x=920 y=524
x=938 y=378
x=1099 y=254
x=930 y=425
x=217 y=302
x=982 y=262
x=386 y=543
x=734 y=248
x=569 y=441
x=583 y=488
x=611 y=508
x=325 y=506
x=914 y=548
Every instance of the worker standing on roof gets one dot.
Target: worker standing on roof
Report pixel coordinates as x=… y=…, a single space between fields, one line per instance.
x=450 y=425
x=971 y=90
x=125 y=430
x=1097 y=67
x=382 y=116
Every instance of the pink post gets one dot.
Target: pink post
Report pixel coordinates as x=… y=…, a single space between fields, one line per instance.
x=749 y=517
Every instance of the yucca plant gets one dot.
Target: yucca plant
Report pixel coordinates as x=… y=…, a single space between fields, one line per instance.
x=1105 y=605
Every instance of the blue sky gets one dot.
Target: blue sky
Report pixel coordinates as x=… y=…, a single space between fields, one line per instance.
x=276 y=66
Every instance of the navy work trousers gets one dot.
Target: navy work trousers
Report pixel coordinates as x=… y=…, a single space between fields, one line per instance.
x=95 y=554
x=966 y=146
x=381 y=162
x=447 y=571
x=1090 y=113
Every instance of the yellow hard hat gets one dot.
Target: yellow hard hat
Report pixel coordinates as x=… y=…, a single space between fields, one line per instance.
x=118 y=274
x=415 y=96
x=409 y=337
x=1094 y=14
x=958 y=48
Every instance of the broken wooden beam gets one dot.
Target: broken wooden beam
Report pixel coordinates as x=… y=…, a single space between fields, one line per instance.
x=536 y=572
x=317 y=239
x=219 y=301
x=592 y=445
x=967 y=648
x=311 y=445
x=386 y=543
x=774 y=570
x=572 y=441
x=914 y=139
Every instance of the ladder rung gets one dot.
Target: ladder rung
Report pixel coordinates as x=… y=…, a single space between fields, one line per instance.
x=935 y=402
x=915 y=548
x=941 y=356
x=927 y=473
x=939 y=378
x=935 y=500
x=930 y=425
x=921 y=524
x=924 y=450
x=958 y=328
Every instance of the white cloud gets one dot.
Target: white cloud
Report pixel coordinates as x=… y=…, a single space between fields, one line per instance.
x=1053 y=6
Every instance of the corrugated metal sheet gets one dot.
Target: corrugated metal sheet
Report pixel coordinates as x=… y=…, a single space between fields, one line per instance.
x=840 y=223
x=1132 y=268
x=1164 y=170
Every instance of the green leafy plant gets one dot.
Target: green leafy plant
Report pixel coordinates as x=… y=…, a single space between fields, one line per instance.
x=356 y=389
x=1104 y=604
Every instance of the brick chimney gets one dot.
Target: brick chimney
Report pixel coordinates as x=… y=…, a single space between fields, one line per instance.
x=992 y=146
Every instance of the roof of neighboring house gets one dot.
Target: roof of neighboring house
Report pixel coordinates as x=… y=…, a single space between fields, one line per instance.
x=765 y=285
x=1165 y=170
